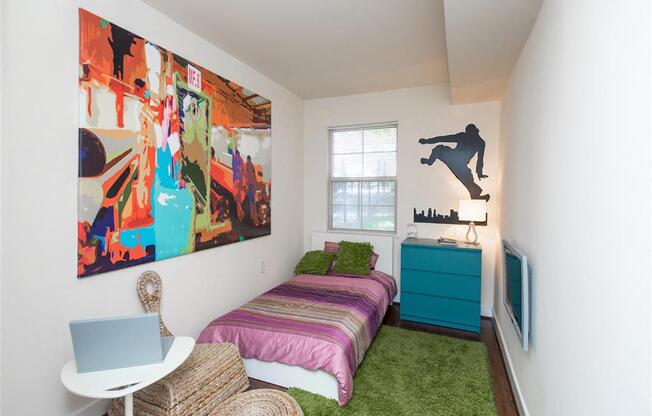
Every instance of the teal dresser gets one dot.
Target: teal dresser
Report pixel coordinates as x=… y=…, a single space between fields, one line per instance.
x=441 y=284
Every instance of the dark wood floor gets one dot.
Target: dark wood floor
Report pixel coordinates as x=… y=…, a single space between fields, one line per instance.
x=502 y=389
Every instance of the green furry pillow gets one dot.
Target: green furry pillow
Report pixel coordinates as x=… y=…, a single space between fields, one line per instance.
x=314 y=262
x=353 y=258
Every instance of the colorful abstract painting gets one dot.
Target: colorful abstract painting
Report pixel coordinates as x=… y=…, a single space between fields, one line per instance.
x=172 y=157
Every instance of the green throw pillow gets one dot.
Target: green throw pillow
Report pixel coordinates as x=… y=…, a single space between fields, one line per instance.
x=314 y=262
x=353 y=258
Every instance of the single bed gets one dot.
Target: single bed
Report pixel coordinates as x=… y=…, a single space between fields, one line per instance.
x=310 y=332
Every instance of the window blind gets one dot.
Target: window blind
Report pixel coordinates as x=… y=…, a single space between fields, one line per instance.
x=362 y=177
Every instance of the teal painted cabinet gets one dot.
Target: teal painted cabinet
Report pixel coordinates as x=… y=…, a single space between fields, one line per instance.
x=441 y=284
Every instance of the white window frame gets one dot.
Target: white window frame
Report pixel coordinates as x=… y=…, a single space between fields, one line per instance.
x=331 y=180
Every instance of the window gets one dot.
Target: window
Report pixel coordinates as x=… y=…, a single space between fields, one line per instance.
x=362 y=177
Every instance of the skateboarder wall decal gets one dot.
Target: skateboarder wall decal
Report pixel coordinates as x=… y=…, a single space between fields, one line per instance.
x=469 y=143
x=457 y=159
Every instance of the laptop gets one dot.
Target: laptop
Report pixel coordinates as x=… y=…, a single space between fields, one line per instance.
x=126 y=341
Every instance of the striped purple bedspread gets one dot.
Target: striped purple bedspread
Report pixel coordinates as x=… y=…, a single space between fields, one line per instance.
x=316 y=322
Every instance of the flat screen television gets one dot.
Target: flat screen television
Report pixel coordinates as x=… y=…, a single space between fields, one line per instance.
x=517 y=291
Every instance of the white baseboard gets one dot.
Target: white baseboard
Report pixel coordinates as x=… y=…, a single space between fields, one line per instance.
x=95 y=408
x=519 y=399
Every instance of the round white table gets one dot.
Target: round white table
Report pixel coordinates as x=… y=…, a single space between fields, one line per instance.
x=109 y=384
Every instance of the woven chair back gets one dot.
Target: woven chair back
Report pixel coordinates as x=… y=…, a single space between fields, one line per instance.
x=149 y=291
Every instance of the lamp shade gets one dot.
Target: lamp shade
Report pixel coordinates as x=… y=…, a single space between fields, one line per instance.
x=472 y=210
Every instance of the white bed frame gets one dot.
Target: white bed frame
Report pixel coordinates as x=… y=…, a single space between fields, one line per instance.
x=319 y=381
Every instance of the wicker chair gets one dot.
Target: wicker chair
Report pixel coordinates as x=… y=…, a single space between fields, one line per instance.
x=212 y=373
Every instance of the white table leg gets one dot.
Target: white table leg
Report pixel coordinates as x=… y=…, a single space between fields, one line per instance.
x=129 y=405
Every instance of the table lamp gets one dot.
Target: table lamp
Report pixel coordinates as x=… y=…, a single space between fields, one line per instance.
x=472 y=210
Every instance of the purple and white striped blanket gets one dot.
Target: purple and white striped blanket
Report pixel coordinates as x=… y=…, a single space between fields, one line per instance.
x=316 y=322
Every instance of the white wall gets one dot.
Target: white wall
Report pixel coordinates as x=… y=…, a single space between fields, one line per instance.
x=40 y=291
x=420 y=112
x=576 y=200
x=2 y=26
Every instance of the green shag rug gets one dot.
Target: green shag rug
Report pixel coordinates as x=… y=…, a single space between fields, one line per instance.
x=414 y=373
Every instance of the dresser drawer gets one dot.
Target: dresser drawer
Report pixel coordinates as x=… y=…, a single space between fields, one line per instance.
x=453 y=261
x=441 y=284
x=444 y=310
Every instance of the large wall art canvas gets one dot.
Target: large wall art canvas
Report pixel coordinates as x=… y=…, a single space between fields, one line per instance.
x=173 y=158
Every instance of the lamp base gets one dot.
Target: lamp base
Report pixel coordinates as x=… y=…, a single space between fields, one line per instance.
x=471 y=231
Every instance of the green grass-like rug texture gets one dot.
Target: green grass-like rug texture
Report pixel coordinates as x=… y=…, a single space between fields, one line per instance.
x=414 y=373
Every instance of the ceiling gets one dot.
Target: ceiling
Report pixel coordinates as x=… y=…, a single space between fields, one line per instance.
x=318 y=48
x=484 y=39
